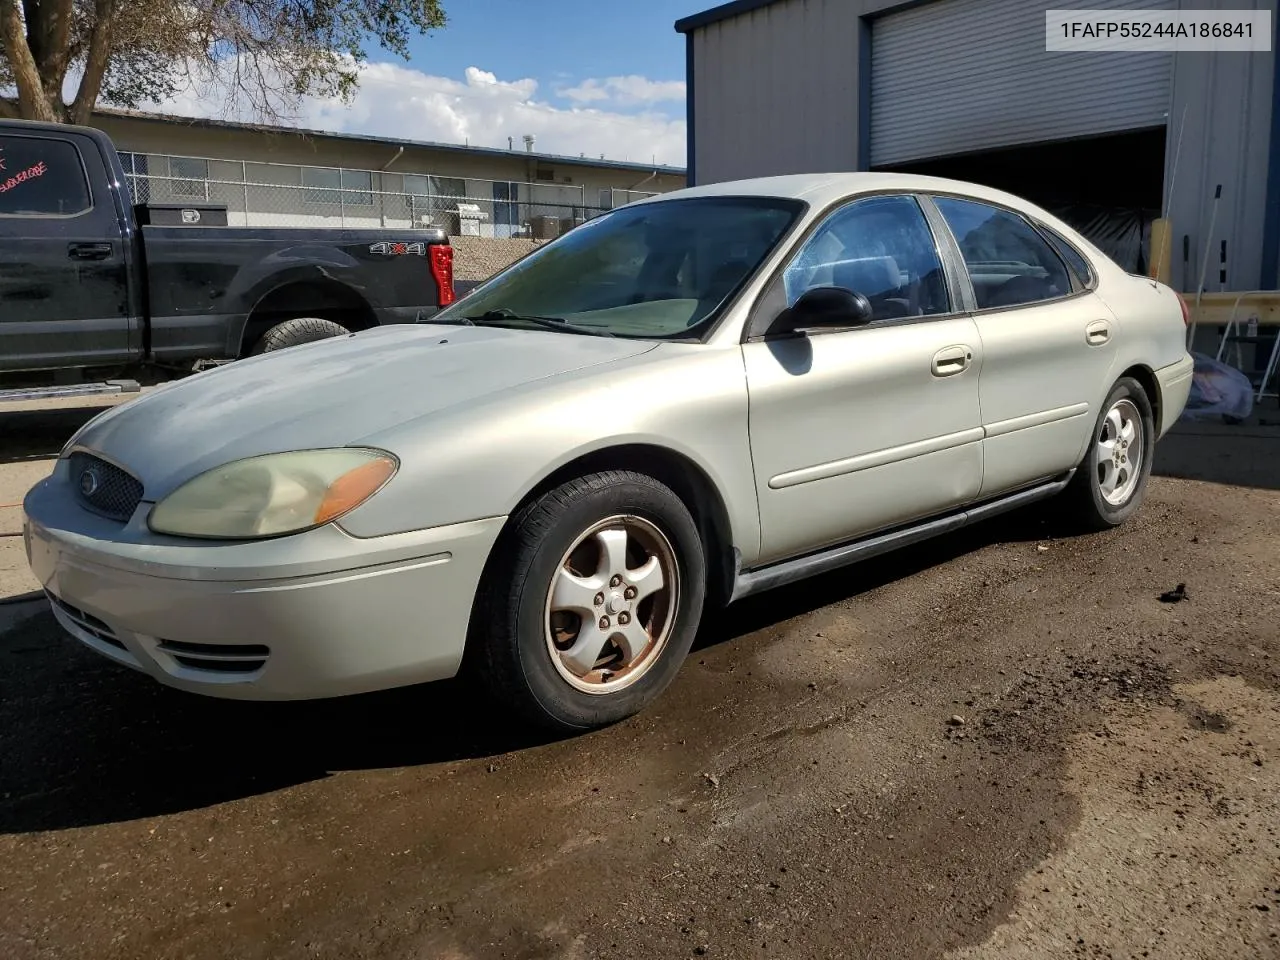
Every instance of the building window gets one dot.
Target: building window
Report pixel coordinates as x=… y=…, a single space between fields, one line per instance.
x=137 y=175
x=189 y=178
x=424 y=186
x=350 y=188
x=545 y=173
x=434 y=200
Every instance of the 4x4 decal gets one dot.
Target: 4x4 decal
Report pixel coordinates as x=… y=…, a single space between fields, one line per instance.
x=397 y=248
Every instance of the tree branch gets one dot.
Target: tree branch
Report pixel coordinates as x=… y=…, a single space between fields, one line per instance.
x=96 y=62
x=32 y=101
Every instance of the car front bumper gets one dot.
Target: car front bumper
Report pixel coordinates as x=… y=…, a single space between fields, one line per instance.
x=317 y=614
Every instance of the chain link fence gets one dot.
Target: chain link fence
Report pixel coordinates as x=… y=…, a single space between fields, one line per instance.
x=285 y=195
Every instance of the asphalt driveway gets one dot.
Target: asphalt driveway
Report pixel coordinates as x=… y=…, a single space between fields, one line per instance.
x=1000 y=744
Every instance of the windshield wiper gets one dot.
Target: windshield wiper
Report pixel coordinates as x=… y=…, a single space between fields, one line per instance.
x=448 y=322
x=550 y=323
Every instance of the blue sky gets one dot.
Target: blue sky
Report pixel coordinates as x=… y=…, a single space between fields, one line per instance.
x=577 y=38
x=585 y=77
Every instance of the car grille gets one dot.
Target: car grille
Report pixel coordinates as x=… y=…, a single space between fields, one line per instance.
x=104 y=488
x=88 y=623
x=224 y=658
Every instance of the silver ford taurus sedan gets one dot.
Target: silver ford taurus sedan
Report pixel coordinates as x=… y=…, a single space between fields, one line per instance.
x=684 y=401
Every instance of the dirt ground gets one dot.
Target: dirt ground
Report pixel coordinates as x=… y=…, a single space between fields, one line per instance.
x=1002 y=744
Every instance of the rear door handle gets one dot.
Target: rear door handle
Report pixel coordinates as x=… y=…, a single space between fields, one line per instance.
x=1097 y=333
x=949 y=361
x=89 y=251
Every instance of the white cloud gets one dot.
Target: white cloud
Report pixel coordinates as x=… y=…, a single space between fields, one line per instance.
x=483 y=110
x=625 y=91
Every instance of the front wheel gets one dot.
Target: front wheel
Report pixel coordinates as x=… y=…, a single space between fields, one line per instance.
x=1112 y=479
x=592 y=602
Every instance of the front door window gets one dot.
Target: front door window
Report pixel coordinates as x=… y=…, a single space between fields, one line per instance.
x=880 y=247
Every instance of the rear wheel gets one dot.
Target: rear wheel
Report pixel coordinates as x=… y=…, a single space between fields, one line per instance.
x=1112 y=479
x=592 y=603
x=299 y=330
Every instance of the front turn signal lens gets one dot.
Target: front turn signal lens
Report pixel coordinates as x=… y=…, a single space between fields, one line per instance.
x=353 y=488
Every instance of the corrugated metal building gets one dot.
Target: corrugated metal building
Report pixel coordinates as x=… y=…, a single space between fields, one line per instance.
x=966 y=89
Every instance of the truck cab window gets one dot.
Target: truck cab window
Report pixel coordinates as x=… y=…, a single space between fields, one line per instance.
x=41 y=178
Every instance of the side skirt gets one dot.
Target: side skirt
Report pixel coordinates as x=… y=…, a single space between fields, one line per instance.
x=773 y=575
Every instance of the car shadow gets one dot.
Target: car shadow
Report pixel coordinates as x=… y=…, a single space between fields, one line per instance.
x=761 y=611
x=1242 y=455
x=84 y=742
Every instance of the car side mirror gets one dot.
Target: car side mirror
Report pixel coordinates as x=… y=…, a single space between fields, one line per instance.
x=823 y=307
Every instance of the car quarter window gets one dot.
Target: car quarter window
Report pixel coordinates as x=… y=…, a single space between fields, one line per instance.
x=1009 y=263
x=1075 y=260
x=41 y=177
x=881 y=247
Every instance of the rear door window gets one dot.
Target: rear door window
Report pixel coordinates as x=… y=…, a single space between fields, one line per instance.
x=1009 y=263
x=41 y=177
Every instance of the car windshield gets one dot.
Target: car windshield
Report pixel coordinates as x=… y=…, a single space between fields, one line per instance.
x=651 y=270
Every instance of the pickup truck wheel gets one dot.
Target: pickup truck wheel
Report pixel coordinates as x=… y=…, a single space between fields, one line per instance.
x=299 y=330
x=592 y=602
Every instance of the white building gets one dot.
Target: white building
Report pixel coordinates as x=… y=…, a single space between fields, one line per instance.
x=272 y=176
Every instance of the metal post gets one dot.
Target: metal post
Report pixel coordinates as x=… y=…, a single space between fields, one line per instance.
x=244 y=180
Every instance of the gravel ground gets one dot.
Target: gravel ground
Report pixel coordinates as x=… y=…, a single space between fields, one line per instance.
x=479 y=258
x=1002 y=744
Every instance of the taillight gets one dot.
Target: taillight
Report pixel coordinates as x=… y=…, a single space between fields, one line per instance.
x=441 y=256
x=1186 y=310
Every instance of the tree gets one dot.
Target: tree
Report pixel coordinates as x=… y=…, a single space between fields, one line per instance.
x=63 y=57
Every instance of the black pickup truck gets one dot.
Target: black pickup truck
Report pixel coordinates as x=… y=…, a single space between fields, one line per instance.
x=94 y=289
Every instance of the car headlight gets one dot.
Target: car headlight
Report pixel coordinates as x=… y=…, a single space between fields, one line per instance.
x=274 y=494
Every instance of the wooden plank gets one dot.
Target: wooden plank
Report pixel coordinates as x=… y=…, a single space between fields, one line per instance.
x=1216 y=308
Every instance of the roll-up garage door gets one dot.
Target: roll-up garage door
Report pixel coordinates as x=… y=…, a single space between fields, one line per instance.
x=959 y=76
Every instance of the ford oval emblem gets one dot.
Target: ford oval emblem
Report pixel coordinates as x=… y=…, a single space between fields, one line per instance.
x=90 y=482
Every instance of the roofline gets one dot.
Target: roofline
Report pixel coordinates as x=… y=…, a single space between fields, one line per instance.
x=723 y=12
x=210 y=124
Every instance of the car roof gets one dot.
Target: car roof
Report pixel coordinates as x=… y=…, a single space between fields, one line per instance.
x=821 y=189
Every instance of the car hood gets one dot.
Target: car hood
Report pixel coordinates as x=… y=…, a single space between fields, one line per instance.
x=329 y=393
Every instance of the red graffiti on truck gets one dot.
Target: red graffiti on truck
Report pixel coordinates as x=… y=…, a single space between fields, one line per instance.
x=22 y=176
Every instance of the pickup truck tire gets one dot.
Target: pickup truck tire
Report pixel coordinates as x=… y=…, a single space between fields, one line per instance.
x=297 y=331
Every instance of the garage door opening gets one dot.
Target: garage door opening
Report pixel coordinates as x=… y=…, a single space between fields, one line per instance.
x=1109 y=188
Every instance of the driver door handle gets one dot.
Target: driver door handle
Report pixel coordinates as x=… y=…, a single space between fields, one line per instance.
x=949 y=361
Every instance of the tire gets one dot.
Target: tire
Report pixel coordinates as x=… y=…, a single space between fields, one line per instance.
x=1093 y=506
x=299 y=330
x=528 y=647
